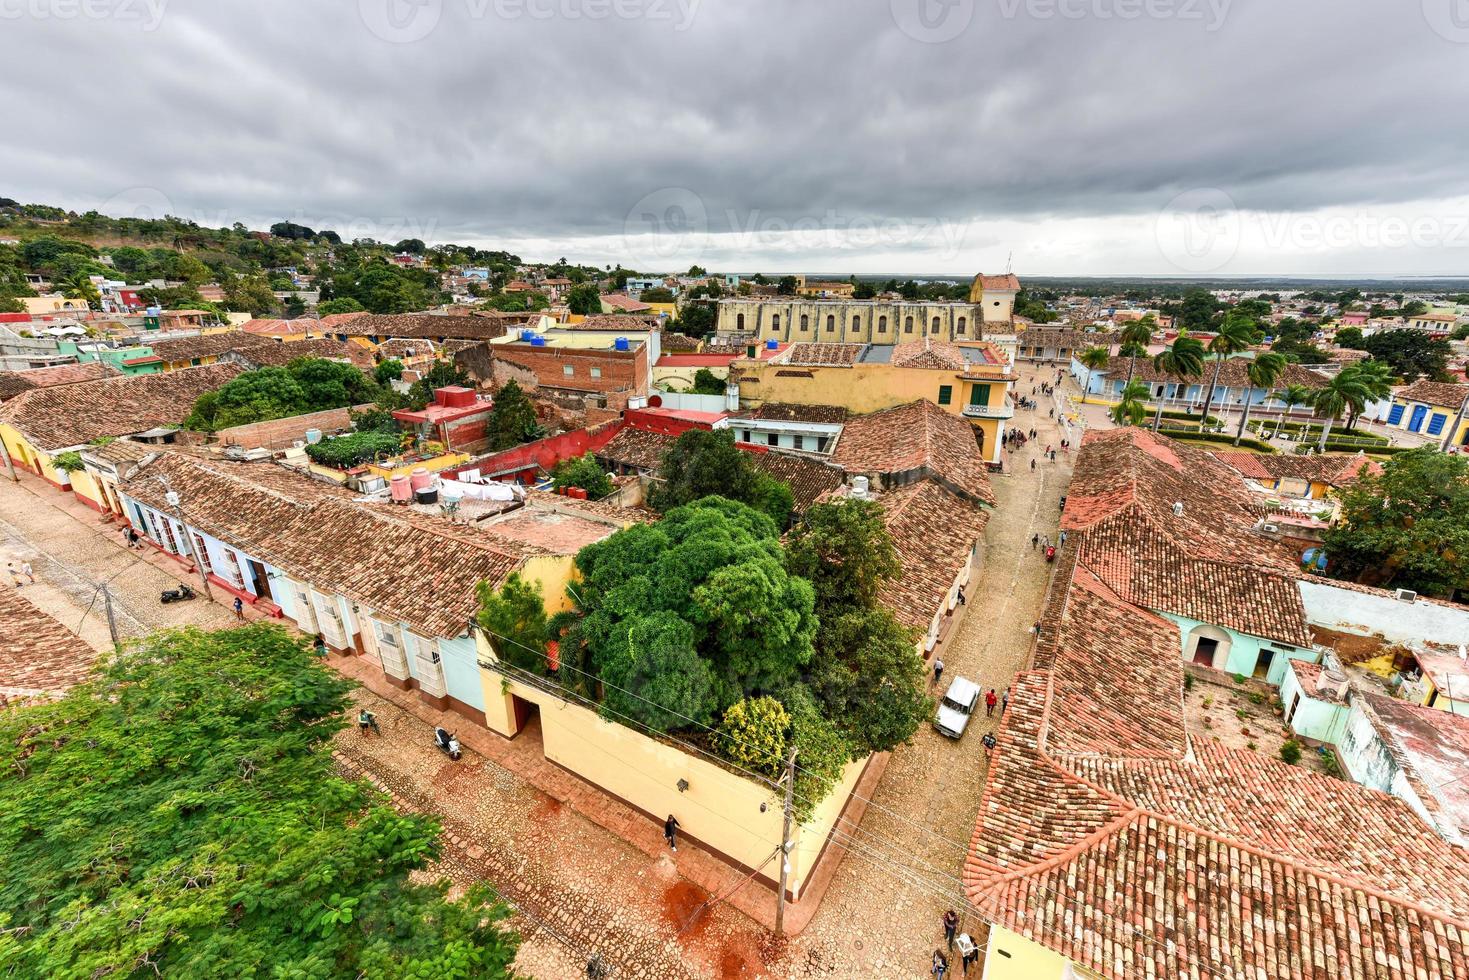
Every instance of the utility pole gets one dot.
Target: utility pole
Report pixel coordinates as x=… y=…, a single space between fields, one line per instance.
x=173 y=501
x=111 y=619
x=785 y=845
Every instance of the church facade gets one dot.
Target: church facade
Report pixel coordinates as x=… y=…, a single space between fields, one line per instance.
x=795 y=319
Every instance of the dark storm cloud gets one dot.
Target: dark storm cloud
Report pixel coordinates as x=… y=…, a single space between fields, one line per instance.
x=551 y=119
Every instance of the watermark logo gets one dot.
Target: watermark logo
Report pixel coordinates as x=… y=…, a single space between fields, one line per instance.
x=400 y=21
x=148 y=14
x=1448 y=18
x=1210 y=13
x=668 y=228
x=932 y=21
x=1199 y=230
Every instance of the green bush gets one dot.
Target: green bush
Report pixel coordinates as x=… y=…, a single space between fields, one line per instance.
x=1190 y=435
x=1290 y=752
x=359 y=447
x=1239 y=678
x=582 y=471
x=68 y=462
x=755 y=734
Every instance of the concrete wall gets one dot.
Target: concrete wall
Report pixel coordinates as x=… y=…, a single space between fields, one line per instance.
x=1324 y=721
x=720 y=809
x=1243 y=650
x=281 y=433
x=1368 y=614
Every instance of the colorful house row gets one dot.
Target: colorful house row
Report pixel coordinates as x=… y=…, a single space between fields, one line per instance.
x=1187 y=394
x=1432 y=408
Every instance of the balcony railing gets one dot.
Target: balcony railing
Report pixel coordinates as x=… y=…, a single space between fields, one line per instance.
x=1004 y=410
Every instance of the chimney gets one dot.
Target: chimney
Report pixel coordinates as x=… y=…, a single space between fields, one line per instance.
x=1332 y=684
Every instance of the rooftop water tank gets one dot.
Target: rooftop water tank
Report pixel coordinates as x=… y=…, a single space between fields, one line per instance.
x=426 y=495
x=421 y=478
x=313 y=436
x=620 y=344
x=771 y=344
x=402 y=491
x=538 y=341
x=859 y=487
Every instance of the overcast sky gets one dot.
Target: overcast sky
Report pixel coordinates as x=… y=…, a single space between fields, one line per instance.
x=1083 y=136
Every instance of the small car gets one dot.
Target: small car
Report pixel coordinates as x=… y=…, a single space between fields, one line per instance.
x=956 y=706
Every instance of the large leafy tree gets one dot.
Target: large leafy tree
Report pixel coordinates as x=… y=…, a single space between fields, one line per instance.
x=1346 y=393
x=710 y=580
x=582 y=471
x=702 y=463
x=514 y=617
x=1235 y=335
x=1407 y=526
x=845 y=551
x=307 y=384
x=1412 y=353
x=178 y=815
x=584 y=300
x=512 y=418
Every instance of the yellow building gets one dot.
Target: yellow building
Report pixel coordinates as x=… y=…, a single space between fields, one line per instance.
x=197 y=350
x=1432 y=408
x=833 y=289
x=971 y=380
x=53 y=304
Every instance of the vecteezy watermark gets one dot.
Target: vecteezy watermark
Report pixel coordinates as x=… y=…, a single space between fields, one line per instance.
x=1448 y=18
x=1201 y=230
x=1210 y=13
x=834 y=231
x=666 y=229
x=143 y=203
x=406 y=21
x=147 y=13
x=932 y=21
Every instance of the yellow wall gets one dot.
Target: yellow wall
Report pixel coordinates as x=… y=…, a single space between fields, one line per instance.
x=682 y=376
x=720 y=808
x=433 y=465
x=552 y=573
x=664 y=309
x=1026 y=960
x=24 y=455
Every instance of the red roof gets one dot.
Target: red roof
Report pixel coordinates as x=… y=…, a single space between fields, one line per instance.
x=696 y=360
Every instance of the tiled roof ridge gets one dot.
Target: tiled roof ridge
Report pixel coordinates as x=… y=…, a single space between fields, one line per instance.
x=1135 y=810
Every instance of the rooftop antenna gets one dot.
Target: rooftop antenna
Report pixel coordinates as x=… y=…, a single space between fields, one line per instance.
x=1008 y=260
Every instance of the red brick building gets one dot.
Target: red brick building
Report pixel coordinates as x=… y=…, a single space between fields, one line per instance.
x=580 y=370
x=456 y=417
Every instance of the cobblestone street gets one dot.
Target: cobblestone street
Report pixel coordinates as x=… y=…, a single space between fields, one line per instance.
x=581 y=889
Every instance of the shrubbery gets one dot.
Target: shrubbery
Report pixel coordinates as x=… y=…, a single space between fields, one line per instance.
x=584 y=472
x=1192 y=435
x=347 y=451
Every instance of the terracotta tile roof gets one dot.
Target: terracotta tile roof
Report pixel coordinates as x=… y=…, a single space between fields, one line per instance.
x=918 y=438
x=1231 y=374
x=413 y=567
x=427 y=325
x=281 y=354
x=13 y=383
x=1332 y=469
x=38 y=655
x=280 y=328
x=120 y=452
x=809 y=479
x=637 y=448
x=1433 y=393
x=1063 y=337
x=935 y=533
x=790 y=412
x=633 y=323
x=206 y=345
x=401 y=347
x=677 y=343
x=1007 y=281
x=819 y=355
x=70 y=415
x=928 y=353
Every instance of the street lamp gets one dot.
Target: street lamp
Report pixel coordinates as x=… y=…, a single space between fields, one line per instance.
x=172 y=497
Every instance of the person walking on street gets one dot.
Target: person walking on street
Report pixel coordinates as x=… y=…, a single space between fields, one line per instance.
x=962 y=600
x=1035 y=539
x=951 y=926
x=1032 y=462
x=1004 y=702
x=990 y=700
x=25 y=569
x=940 y=965
x=670 y=832
x=14 y=575
x=968 y=952
x=988 y=741
x=365 y=720
x=938 y=670
x=239 y=608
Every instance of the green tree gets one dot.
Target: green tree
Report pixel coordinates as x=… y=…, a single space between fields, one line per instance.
x=705 y=383
x=1183 y=359
x=1234 y=336
x=656 y=676
x=514 y=618
x=755 y=734
x=696 y=320
x=1412 y=354
x=845 y=551
x=786 y=286
x=1263 y=372
x=248 y=294
x=1407 y=526
x=658 y=294
x=1135 y=338
x=1350 y=337
x=1347 y=392
x=1092 y=359
x=342 y=304
x=870 y=679
x=179 y=815
x=702 y=463
x=1130 y=408
x=387 y=371
x=864 y=289
x=512 y=419
x=584 y=300
x=584 y=472
x=1196 y=310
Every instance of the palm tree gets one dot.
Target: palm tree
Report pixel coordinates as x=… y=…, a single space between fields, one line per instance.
x=1130 y=410
x=1184 y=359
x=1378 y=377
x=1092 y=358
x=1237 y=333
x=1135 y=338
x=1263 y=372
x=1344 y=393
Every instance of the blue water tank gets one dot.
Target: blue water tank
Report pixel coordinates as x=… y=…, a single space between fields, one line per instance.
x=771 y=344
x=538 y=341
x=620 y=344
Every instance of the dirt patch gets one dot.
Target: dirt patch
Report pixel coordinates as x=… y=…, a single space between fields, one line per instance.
x=681 y=901
x=739 y=959
x=1244 y=715
x=547 y=809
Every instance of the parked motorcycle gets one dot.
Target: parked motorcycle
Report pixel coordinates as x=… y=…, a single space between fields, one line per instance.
x=447 y=743
x=176 y=595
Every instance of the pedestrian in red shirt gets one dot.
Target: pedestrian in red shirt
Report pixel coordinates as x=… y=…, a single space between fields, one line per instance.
x=990 y=700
